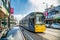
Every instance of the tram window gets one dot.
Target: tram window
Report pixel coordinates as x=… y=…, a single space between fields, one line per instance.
x=39 y=20
x=32 y=20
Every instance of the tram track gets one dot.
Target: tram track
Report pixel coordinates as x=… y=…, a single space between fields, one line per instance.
x=51 y=35
x=53 y=30
x=40 y=36
x=32 y=36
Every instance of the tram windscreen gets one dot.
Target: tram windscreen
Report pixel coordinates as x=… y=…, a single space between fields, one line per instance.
x=39 y=19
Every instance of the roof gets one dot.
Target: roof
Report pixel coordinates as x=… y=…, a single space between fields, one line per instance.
x=57 y=8
x=50 y=19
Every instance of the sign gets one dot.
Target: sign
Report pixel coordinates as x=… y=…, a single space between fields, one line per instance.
x=39 y=15
x=46 y=14
x=11 y=10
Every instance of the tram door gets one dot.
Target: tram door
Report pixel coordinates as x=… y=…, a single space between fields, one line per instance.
x=31 y=24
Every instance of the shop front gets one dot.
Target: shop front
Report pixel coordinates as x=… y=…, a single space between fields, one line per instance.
x=3 y=17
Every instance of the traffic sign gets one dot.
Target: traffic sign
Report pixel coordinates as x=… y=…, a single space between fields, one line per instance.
x=11 y=10
x=46 y=14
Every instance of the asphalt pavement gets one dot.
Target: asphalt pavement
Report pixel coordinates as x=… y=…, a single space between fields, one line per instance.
x=31 y=36
x=19 y=33
x=49 y=34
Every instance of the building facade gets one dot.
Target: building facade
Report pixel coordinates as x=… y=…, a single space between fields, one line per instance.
x=4 y=13
x=53 y=11
x=53 y=14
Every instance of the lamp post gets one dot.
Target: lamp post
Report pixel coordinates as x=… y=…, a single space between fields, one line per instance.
x=9 y=14
x=11 y=10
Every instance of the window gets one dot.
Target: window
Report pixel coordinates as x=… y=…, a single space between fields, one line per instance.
x=39 y=19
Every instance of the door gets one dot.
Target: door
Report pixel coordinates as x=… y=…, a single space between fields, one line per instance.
x=31 y=24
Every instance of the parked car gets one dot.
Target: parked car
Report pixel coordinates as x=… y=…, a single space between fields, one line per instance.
x=55 y=25
x=47 y=25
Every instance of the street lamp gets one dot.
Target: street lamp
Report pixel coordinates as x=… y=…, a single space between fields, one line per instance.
x=11 y=10
x=9 y=14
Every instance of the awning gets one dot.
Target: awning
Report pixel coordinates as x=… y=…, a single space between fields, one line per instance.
x=3 y=12
x=2 y=15
x=57 y=16
x=49 y=19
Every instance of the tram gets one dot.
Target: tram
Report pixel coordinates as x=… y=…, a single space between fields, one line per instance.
x=34 y=22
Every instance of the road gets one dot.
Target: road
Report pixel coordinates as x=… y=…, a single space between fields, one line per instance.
x=49 y=34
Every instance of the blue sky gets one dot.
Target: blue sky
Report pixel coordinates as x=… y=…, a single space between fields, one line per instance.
x=24 y=7
x=20 y=6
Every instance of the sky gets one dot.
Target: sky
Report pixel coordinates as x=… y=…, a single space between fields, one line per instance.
x=24 y=7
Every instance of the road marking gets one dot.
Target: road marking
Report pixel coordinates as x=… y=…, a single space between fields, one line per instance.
x=53 y=33
x=22 y=34
x=48 y=36
x=29 y=36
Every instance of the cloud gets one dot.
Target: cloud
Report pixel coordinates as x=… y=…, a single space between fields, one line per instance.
x=39 y=2
x=18 y=17
x=39 y=6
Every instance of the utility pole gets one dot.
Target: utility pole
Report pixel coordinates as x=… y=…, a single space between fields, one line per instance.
x=9 y=15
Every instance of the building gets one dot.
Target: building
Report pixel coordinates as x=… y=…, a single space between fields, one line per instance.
x=53 y=14
x=53 y=11
x=5 y=9
x=12 y=20
x=4 y=14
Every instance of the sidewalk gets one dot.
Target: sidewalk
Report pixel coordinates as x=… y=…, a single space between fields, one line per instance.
x=3 y=32
x=14 y=34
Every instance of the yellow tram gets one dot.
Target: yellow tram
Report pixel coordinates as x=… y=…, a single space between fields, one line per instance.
x=34 y=22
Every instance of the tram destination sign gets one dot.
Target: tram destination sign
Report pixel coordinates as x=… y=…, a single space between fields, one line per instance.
x=38 y=14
